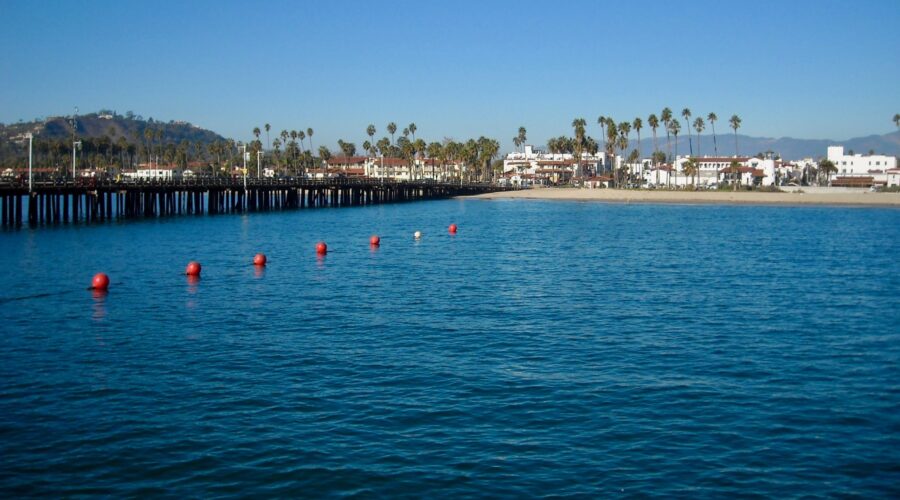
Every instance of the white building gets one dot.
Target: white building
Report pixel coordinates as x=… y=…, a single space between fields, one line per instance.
x=871 y=168
x=534 y=165
x=893 y=177
x=398 y=169
x=154 y=172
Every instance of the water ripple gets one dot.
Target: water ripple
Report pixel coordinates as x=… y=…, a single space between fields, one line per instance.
x=549 y=349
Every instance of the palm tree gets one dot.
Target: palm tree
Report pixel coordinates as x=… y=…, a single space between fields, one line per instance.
x=294 y=136
x=324 y=156
x=268 y=144
x=601 y=120
x=675 y=127
x=691 y=169
x=309 y=133
x=434 y=150
x=522 y=137
x=612 y=135
x=578 y=124
x=420 y=147
x=624 y=131
x=488 y=150
x=699 y=126
x=276 y=145
x=897 y=119
x=711 y=117
x=370 y=131
x=735 y=170
x=638 y=124
x=412 y=130
x=735 y=122
x=686 y=113
x=392 y=128
x=666 y=117
x=827 y=167
x=622 y=142
x=653 y=121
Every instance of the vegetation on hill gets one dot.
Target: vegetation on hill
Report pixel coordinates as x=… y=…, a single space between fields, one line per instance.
x=106 y=140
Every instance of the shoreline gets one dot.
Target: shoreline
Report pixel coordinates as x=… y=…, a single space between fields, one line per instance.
x=844 y=199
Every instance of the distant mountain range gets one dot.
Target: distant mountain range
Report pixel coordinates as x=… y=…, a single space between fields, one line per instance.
x=786 y=147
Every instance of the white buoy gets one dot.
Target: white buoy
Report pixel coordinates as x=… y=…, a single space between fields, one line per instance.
x=417 y=235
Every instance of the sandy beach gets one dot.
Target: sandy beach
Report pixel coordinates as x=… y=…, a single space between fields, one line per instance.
x=821 y=196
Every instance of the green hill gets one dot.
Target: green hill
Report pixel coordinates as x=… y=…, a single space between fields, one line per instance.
x=107 y=140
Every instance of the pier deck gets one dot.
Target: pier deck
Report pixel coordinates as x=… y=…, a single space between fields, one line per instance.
x=90 y=200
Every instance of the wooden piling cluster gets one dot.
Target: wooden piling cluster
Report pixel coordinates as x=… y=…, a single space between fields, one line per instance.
x=100 y=202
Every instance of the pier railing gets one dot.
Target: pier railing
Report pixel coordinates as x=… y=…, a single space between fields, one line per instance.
x=89 y=200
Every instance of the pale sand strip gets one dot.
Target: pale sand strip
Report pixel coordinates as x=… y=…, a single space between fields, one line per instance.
x=864 y=198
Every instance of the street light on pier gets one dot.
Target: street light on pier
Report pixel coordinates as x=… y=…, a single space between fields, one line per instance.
x=75 y=144
x=74 y=141
x=244 y=156
x=30 y=138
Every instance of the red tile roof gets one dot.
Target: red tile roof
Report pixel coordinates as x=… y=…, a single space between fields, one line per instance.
x=347 y=160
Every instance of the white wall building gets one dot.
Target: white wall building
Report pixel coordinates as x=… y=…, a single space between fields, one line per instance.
x=857 y=165
x=534 y=165
x=893 y=177
x=154 y=172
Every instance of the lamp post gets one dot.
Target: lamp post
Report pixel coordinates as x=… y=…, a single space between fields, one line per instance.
x=75 y=144
x=30 y=138
x=244 y=156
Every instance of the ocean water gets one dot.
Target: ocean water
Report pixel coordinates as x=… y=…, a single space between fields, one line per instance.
x=548 y=349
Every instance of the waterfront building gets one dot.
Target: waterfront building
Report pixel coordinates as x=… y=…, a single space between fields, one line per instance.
x=893 y=177
x=858 y=170
x=536 y=166
x=398 y=169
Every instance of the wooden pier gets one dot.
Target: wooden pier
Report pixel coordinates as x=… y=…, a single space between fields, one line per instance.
x=96 y=201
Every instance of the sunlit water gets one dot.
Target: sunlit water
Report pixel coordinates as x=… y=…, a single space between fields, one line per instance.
x=549 y=348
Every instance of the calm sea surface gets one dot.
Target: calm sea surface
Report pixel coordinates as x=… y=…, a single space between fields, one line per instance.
x=548 y=349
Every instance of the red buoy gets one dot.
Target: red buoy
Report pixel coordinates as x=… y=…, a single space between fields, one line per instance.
x=193 y=268
x=452 y=228
x=374 y=240
x=259 y=259
x=100 y=282
x=321 y=248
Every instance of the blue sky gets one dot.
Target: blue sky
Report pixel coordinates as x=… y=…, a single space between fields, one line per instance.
x=460 y=69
